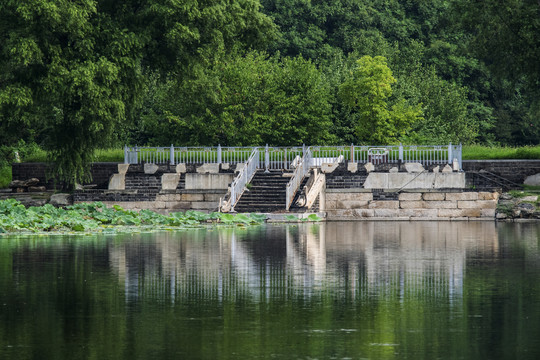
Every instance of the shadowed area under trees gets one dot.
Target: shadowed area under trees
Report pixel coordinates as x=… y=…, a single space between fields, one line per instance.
x=75 y=77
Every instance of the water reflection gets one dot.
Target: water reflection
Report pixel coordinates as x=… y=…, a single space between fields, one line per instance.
x=356 y=259
x=337 y=290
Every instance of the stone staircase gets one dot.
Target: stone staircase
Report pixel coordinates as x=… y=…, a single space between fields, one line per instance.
x=485 y=180
x=266 y=193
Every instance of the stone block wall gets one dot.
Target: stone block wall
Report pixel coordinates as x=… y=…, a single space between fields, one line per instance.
x=101 y=173
x=412 y=205
x=341 y=178
x=163 y=202
x=513 y=170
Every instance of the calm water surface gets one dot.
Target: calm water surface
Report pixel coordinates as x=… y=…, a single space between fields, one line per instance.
x=367 y=290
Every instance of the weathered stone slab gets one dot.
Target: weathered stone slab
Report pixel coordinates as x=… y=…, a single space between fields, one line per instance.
x=466 y=204
x=328 y=168
x=117 y=182
x=225 y=166
x=330 y=204
x=449 y=213
x=414 y=167
x=164 y=197
x=472 y=212
x=192 y=197
x=208 y=169
x=420 y=213
x=486 y=204
x=436 y=169
x=351 y=204
x=214 y=197
x=61 y=199
x=160 y=204
x=170 y=181
x=411 y=204
x=205 y=205
x=533 y=180
x=367 y=196
x=386 y=213
x=380 y=204
x=461 y=196
x=414 y=181
x=438 y=196
x=440 y=204
x=449 y=181
x=208 y=181
x=349 y=214
x=410 y=196
x=489 y=213
x=447 y=169
x=352 y=167
x=393 y=170
x=376 y=180
x=239 y=167
x=150 y=168
x=181 y=168
x=369 y=167
x=364 y=213
x=123 y=168
x=338 y=214
x=179 y=205
x=458 y=213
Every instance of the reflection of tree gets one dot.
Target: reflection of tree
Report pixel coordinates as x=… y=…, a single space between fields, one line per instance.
x=364 y=259
x=373 y=290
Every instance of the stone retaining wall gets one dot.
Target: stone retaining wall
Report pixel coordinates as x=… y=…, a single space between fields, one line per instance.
x=162 y=202
x=513 y=170
x=100 y=172
x=358 y=204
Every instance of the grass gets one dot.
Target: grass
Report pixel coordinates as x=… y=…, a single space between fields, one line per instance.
x=480 y=152
x=470 y=152
x=102 y=155
x=5 y=175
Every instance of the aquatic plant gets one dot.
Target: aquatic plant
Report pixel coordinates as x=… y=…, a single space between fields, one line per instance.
x=96 y=217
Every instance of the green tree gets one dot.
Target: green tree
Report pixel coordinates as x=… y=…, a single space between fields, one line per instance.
x=505 y=35
x=367 y=91
x=448 y=113
x=244 y=100
x=72 y=71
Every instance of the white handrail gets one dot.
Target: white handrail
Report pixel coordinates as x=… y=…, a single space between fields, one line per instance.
x=280 y=158
x=242 y=179
x=299 y=173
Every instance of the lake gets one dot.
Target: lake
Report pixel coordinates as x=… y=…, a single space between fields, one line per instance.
x=340 y=290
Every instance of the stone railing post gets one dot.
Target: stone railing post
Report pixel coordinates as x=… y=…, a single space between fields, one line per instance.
x=352 y=153
x=126 y=160
x=400 y=152
x=219 y=154
x=172 y=155
x=450 y=154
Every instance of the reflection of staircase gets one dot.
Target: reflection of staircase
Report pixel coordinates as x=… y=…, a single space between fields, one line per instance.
x=487 y=180
x=266 y=193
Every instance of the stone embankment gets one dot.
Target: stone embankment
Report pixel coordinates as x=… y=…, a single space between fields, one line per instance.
x=518 y=206
x=347 y=204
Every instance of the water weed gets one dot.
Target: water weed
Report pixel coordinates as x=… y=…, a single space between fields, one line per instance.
x=96 y=217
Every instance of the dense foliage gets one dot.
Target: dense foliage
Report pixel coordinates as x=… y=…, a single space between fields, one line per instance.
x=76 y=76
x=96 y=217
